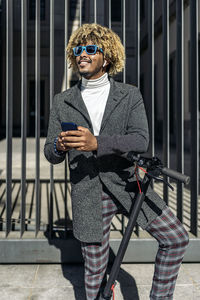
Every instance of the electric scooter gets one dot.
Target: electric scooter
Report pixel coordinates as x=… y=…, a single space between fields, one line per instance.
x=153 y=170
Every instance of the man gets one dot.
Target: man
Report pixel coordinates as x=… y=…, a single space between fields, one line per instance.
x=111 y=122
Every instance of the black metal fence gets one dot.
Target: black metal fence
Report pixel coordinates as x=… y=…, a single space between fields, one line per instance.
x=193 y=98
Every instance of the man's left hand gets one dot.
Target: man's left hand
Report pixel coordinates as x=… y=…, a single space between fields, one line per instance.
x=81 y=139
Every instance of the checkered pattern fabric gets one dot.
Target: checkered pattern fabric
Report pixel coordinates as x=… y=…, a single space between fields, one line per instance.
x=172 y=239
x=96 y=255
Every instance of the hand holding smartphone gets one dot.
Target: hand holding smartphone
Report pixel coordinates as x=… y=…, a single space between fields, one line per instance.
x=66 y=126
x=82 y=139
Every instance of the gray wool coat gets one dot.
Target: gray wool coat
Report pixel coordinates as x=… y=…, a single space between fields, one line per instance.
x=124 y=128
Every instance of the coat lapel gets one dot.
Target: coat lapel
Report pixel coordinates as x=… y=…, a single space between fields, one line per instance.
x=117 y=93
x=74 y=99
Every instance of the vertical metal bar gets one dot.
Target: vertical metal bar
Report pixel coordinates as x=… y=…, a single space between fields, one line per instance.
x=65 y=195
x=138 y=43
x=124 y=71
x=180 y=104
x=51 y=102
x=37 y=114
x=66 y=86
x=109 y=14
x=165 y=8
x=137 y=7
x=23 y=109
x=124 y=34
x=151 y=73
x=80 y=20
x=95 y=11
x=9 y=110
x=194 y=114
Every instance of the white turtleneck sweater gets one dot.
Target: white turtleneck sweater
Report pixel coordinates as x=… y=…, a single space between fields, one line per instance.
x=95 y=95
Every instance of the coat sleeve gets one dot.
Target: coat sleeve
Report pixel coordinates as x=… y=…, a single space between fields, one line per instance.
x=136 y=138
x=54 y=129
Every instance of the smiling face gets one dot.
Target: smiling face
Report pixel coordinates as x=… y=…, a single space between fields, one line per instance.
x=90 y=66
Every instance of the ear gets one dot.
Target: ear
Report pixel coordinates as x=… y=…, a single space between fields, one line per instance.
x=105 y=63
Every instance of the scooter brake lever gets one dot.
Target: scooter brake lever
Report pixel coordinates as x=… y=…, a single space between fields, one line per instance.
x=161 y=180
x=169 y=185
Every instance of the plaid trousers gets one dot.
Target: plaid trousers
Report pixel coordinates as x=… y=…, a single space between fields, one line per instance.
x=172 y=239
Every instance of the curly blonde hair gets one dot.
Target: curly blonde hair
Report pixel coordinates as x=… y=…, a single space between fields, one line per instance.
x=105 y=38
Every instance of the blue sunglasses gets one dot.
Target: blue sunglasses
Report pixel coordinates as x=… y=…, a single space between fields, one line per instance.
x=89 y=49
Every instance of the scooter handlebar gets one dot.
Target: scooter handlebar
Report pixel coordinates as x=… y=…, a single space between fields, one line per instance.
x=176 y=175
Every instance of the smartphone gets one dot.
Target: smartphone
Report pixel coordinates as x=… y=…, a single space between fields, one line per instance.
x=67 y=126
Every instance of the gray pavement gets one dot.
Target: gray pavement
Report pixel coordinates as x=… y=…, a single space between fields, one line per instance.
x=65 y=282
x=30 y=160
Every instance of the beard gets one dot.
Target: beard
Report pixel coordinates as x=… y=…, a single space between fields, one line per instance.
x=88 y=74
x=85 y=74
